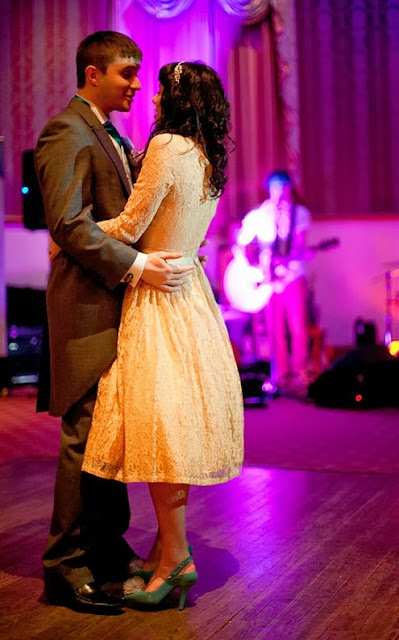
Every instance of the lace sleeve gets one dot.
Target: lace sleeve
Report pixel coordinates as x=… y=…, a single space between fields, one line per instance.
x=154 y=183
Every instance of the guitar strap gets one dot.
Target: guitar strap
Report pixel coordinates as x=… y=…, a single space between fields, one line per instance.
x=282 y=246
x=292 y=227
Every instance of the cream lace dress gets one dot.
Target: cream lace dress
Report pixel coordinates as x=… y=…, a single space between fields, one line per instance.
x=169 y=409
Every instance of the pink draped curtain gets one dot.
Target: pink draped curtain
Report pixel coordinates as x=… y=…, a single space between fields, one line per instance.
x=345 y=74
x=202 y=31
x=215 y=32
x=243 y=54
x=257 y=125
x=39 y=40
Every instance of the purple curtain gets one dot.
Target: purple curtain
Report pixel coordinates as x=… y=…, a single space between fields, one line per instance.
x=256 y=117
x=43 y=35
x=348 y=61
x=38 y=39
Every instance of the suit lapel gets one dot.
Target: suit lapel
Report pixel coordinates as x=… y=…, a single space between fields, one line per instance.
x=95 y=125
x=103 y=137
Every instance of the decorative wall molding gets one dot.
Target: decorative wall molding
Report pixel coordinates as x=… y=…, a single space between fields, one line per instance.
x=165 y=8
x=250 y=11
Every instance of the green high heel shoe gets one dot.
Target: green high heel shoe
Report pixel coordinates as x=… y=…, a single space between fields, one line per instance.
x=176 y=579
x=146 y=574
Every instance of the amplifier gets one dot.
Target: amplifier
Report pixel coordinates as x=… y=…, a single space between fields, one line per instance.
x=24 y=349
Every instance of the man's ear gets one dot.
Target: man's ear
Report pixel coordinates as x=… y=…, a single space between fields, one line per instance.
x=92 y=75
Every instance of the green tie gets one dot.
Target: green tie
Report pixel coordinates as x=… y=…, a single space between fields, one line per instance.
x=113 y=131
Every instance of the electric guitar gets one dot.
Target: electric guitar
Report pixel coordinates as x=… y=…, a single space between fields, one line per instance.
x=249 y=288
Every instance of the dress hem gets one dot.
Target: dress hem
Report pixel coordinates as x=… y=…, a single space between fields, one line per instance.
x=125 y=478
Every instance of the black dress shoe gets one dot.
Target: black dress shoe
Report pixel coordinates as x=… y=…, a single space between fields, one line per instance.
x=89 y=597
x=91 y=593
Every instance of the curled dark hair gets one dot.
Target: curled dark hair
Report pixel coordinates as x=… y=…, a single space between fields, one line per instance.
x=101 y=48
x=194 y=105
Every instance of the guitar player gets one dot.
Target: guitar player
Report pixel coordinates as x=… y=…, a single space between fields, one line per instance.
x=279 y=227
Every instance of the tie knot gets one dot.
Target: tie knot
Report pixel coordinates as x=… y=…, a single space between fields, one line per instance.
x=113 y=131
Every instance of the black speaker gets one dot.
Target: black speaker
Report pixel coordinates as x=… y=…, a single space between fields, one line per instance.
x=26 y=307
x=365 y=377
x=253 y=378
x=24 y=350
x=365 y=332
x=26 y=317
x=32 y=202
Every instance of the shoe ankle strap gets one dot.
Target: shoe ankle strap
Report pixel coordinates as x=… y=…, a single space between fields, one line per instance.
x=180 y=567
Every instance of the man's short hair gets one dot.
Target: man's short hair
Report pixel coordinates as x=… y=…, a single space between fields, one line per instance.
x=281 y=176
x=101 y=48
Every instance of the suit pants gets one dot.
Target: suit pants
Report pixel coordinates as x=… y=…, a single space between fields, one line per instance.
x=90 y=514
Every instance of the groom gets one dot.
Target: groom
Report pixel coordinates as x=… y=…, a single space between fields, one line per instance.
x=85 y=176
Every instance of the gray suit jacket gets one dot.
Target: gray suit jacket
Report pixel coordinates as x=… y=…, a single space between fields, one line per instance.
x=82 y=180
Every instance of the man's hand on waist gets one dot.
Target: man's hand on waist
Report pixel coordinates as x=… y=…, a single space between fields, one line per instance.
x=163 y=275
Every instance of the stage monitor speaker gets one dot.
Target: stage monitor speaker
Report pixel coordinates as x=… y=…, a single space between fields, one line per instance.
x=26 y=307
x=32 y=202
x=365 y=377
x=253 y=377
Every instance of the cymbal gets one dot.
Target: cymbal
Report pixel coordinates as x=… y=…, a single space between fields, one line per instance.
x=388 y=268
x=394 y=273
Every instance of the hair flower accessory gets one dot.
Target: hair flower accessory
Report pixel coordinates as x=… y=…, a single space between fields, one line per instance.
x=177 y=72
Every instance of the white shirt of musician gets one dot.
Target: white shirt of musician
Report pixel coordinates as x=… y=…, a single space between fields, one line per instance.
x=267 y=221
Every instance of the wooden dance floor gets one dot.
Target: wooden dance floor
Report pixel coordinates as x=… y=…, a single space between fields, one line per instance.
x=281 y=553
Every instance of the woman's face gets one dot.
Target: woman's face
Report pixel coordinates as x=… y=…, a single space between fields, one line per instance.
x=157 y=101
